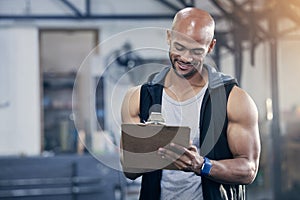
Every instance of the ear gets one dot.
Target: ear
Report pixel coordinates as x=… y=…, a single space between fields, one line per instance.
x=169 y=37
x=212 y=45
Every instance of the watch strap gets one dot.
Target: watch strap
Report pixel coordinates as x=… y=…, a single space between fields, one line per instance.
x=206 y=167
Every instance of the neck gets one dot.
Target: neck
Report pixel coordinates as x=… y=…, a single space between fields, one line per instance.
x=181 y=88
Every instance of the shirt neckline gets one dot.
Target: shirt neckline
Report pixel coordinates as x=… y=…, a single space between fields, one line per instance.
x=188 y=101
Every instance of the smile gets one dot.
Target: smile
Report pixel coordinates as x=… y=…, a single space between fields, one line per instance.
x=185 y=66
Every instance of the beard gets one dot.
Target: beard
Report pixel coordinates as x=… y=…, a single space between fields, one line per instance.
x=187 y=75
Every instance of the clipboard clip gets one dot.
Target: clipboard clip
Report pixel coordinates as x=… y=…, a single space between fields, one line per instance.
x=156 y=118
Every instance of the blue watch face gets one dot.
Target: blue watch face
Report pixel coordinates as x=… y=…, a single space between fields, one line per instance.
x=206 y=167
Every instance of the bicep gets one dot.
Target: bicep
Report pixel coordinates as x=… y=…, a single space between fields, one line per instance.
x=243 y=133
x=130 y=106
x=130 y=114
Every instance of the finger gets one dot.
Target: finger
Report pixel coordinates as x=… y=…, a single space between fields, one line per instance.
x=185 y=151
x=193 y=148
x=178 y=163
x=178 y=148
x=188 y=169
x=173 y=156
x=169 y=153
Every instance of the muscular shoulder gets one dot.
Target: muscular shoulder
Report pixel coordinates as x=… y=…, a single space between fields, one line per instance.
x=131 y=105
x=241 y=108
x=133 y=92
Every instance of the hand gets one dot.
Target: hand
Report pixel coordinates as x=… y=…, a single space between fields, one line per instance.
x=186 y=159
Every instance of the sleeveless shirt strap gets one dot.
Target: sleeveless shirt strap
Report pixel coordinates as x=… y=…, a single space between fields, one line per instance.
x=213 y=117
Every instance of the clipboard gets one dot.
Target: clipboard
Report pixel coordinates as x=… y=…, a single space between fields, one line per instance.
x=140 y=144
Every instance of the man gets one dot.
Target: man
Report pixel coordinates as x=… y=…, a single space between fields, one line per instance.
x=222 y=117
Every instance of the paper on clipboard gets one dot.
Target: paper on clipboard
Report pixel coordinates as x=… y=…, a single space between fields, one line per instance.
x=140 y=144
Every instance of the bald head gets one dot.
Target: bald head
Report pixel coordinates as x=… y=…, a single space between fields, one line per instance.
x=194 y=23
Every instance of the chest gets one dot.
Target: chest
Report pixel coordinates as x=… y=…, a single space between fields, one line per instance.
x=185 y=113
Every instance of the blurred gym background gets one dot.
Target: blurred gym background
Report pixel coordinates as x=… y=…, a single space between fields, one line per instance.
x=65 y=66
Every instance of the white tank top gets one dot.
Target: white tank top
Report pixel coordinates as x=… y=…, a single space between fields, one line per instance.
x=177 y=184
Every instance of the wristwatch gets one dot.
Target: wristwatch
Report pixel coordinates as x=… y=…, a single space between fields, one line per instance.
x=206 y=167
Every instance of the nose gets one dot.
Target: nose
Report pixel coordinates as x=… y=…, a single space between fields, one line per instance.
x=186 y=57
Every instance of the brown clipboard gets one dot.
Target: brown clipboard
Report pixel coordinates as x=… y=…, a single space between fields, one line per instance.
x=140 y=143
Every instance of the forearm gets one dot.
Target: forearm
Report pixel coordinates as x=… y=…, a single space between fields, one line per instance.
x=233 y=171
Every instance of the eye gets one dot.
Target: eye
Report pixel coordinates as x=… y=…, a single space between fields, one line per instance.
x=179 y=47
x=198 y=51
